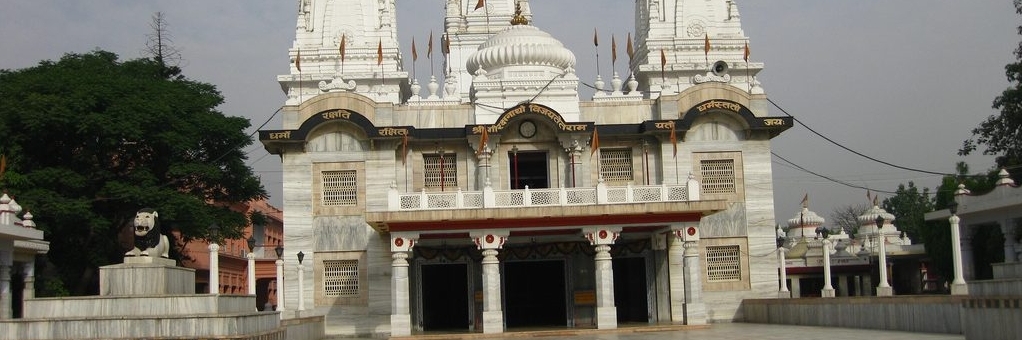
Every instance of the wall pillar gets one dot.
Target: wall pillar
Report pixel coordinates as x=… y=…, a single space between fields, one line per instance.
x=968 y=270
x=6 y=264
x=400 y=317
x=1008 y=229
x=676 y=278
x=958 y=285
x=695 y=309
x=601 y=239
x=490 y=242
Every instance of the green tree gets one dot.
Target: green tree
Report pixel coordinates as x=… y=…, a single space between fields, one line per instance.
x=1002 y=133
x=90 y=140
x=908 y=206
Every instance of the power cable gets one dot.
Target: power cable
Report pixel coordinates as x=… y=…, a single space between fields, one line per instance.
x=829 y=178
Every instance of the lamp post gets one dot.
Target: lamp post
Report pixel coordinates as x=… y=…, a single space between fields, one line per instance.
x=884 y=289
x=301 y=285
x=251 y=265
x=214 y=260
x=514 y=154
x=783 y=279
x=958 y=286
x=443 y=179
x=280 y=278
x=828 y=289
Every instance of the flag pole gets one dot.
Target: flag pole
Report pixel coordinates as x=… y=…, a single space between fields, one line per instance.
x=298 y=65
x=596 y=45
x=748 y=74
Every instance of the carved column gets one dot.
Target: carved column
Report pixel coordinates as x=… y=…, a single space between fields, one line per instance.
x=676 y=277
x=483 y=168
x=783 y=293
x=694 y=308
x=884 y=288
x=280 y=286
x=601 y=239
x=828 y=289
x=6 y=262
x=1008 y=229
x=214 y=268
x=400 y=317
x=490 y=242
x=958 y=285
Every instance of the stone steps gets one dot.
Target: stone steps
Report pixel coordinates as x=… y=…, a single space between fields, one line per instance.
x=138 y=306
x=114 y=327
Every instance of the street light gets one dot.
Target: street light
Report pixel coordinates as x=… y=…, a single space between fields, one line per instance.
x=514 y=153
x=783 y=278
x=301 y=281
x=958 y=286
x=280 y=278
x=884 y=289
x=251 y=265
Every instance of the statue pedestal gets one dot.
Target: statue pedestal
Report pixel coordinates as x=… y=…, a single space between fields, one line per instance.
x=143 y=275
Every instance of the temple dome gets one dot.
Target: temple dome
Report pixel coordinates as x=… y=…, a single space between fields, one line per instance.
x=521 y=45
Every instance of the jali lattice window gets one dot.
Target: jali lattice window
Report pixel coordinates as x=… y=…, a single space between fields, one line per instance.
x=440 y=170
x=723 y=263
x=340 y=278
x=718 y=176
x=340 y=187
x=616 y=164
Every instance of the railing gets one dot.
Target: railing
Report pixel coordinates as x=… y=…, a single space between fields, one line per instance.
x=489 y=198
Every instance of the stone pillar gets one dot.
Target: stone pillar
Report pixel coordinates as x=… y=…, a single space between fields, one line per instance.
x=958 y=285
x=490 y=242
x=6 y=263
x=483 y=167
x=842 y=285
x=280 y=287
x=967 y=259
x=796 y=287
x=29 y=291
x=828 y=288
x=601 y=239
x=783 y=293
x=400 y=317
x=884 y=288
x=695 y=309
x=214 y=268
x=301 y=286
x=676 y=278
x=857 y=285
x=251 y=273
x=1008 y=229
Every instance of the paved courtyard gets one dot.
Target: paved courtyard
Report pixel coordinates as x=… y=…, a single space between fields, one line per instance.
x=726 y=331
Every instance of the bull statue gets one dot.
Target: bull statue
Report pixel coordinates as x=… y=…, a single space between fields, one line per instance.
x=148 y=239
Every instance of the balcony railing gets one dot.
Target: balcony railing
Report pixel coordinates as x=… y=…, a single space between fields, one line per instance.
x=489 y=198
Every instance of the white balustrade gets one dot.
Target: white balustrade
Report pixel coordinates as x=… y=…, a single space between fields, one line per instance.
x=529 y=197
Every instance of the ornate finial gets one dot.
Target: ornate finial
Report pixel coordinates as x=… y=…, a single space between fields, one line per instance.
x=518 y=18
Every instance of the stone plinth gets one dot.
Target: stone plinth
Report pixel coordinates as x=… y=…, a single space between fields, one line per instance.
x=146 y=277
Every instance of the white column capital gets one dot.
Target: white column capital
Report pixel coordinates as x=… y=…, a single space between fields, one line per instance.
x=403 y=242
x=490 y=239
x=686 y=231
x=602 y=235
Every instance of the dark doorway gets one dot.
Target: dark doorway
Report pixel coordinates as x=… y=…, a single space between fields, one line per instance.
x=528 y=168
x=534 y=294
x=445 y=297
x=630 y=289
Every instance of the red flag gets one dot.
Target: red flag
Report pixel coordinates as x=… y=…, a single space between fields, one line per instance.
x=805 y=200
x=746 y=51
x=594 y=144
x=674 y=140
x=379 y=53
x=480 y=4
x=404 y=149
x=483 y=139
x=344 y=39
x=415 y=54
x=429 y=46
x=613 y=49
x=596 y=38
x=298 y=60
x=706 y=45
x=629 y=49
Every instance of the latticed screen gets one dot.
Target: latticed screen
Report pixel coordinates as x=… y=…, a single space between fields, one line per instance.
x=718 y=176
x=340 y=278
x=723 y=263
x=340 y=187
x=616 y=164
x=433 y=173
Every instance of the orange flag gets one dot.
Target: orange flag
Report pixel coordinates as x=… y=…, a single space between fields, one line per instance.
x=344 y=39
x=429 y=46
x=483 y=139
x=706 y=45
x=613 y=49
x=596 y=38
x=415 y=54
x=594 y=144
x=298 y=60
x=674 y=140
x=480 y=4
x=629 y=49
x=746 y=51
x=379 y=53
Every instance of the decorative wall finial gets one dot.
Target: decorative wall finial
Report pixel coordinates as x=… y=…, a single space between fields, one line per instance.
x=518 y=18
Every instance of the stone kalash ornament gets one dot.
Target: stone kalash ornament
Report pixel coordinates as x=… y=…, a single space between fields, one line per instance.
x=148 y=239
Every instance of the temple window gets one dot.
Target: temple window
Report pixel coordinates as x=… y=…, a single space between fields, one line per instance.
x=616 y=165
x=440 y=172
x=340 y=188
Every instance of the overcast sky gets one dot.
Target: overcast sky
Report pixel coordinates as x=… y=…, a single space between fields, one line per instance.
x=902 y=81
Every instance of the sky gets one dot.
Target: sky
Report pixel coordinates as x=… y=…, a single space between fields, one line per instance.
x=900 y=81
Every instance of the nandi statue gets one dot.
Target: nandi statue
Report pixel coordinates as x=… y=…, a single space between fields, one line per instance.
x=148 y=239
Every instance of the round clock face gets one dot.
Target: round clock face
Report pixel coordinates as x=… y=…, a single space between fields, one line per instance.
x=527 y=129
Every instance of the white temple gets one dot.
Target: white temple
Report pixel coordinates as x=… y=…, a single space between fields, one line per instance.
x=497 y=199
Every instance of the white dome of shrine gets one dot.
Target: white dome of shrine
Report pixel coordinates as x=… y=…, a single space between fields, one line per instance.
x=521 y=45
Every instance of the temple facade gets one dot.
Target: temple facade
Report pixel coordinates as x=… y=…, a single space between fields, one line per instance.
x=495 y=197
